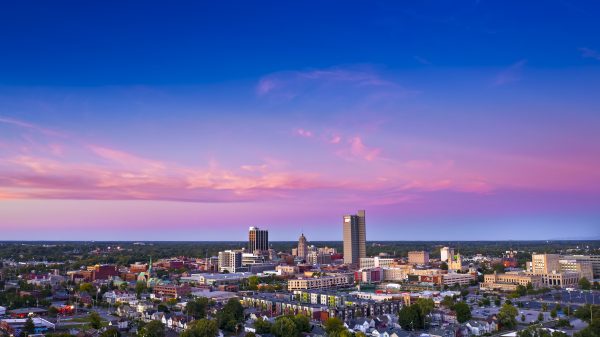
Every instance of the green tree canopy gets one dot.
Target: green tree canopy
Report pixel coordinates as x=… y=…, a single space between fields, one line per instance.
x=410 y=318
x=507 y=316
x=197 y=308
x=153 y=329
x=28 y=328
x=95 y=320
x=262 y=326
x=284 y=327
x=110 y=332
x=231 y=315
x=463 y=312
x=201 y=328
x=584 y=284
x=334 y=327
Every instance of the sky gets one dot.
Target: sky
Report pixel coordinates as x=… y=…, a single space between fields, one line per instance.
x=444 y=120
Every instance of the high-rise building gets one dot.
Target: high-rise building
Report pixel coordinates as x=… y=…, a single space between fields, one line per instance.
x=258 y=240
x=302 y=247
x=355 y=246
x=545 y=263
x=230 y=260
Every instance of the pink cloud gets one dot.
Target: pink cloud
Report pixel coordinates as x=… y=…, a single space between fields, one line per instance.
x=335 y=139
x=304 y=133
x=360 y=150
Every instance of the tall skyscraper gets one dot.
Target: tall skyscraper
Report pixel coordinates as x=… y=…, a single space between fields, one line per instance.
x=258 y=240
x=355 y=246
x=302 y=247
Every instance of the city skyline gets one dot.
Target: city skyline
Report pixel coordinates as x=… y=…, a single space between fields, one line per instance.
x=471 y=121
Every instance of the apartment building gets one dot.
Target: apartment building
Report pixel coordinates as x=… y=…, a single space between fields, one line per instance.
x=322 y=282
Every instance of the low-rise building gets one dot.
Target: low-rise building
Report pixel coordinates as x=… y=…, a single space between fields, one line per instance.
x=171 y=290
x=510 y=281
x=320 y=282
x=374 y=262
x=456 y=278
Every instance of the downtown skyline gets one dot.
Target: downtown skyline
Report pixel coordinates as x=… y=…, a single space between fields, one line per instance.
x=476 y=121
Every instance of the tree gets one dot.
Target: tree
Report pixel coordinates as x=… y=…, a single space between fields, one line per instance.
x=262 y=326
x=87 y=287
x=584 y=312
x=231 y=315
x=302 y=323
x=498 y=267
x=111 y=332
x=507 y=315
x=426 y=306
x=284 y=327
x=140 y=287
x=95 y=320
x=28 y=328
x=592 y=330
x=253 y=282
x=584 y=284
x=197 y=308
x=153 y=329
x=540 y=317
x=520 y=291
x=52 y=311
x=448 y=301
x=334 y=326
x=463 y=312
x=409 y=317
x=544 y=307
x=201 y=328
x=553 y=313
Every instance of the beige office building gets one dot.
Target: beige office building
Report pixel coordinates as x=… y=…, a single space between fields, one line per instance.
x=418 y=257
x=583 y=267
x=544 y=263
x=510 y=281
x=355 y=246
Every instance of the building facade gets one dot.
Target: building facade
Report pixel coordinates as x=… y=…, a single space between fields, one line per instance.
x=302 y=247
x=355 y=246
x=510 y=281
x=230 y=261
x=418 y=257
x=323 y=282
x=258 y=240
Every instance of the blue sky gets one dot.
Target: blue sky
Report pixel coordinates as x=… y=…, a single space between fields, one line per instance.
x=189 y=117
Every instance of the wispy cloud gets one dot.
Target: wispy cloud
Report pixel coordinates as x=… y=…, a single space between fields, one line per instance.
x=290 y=84
x=511 y=74
x=590 y=53
x=26 y=125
